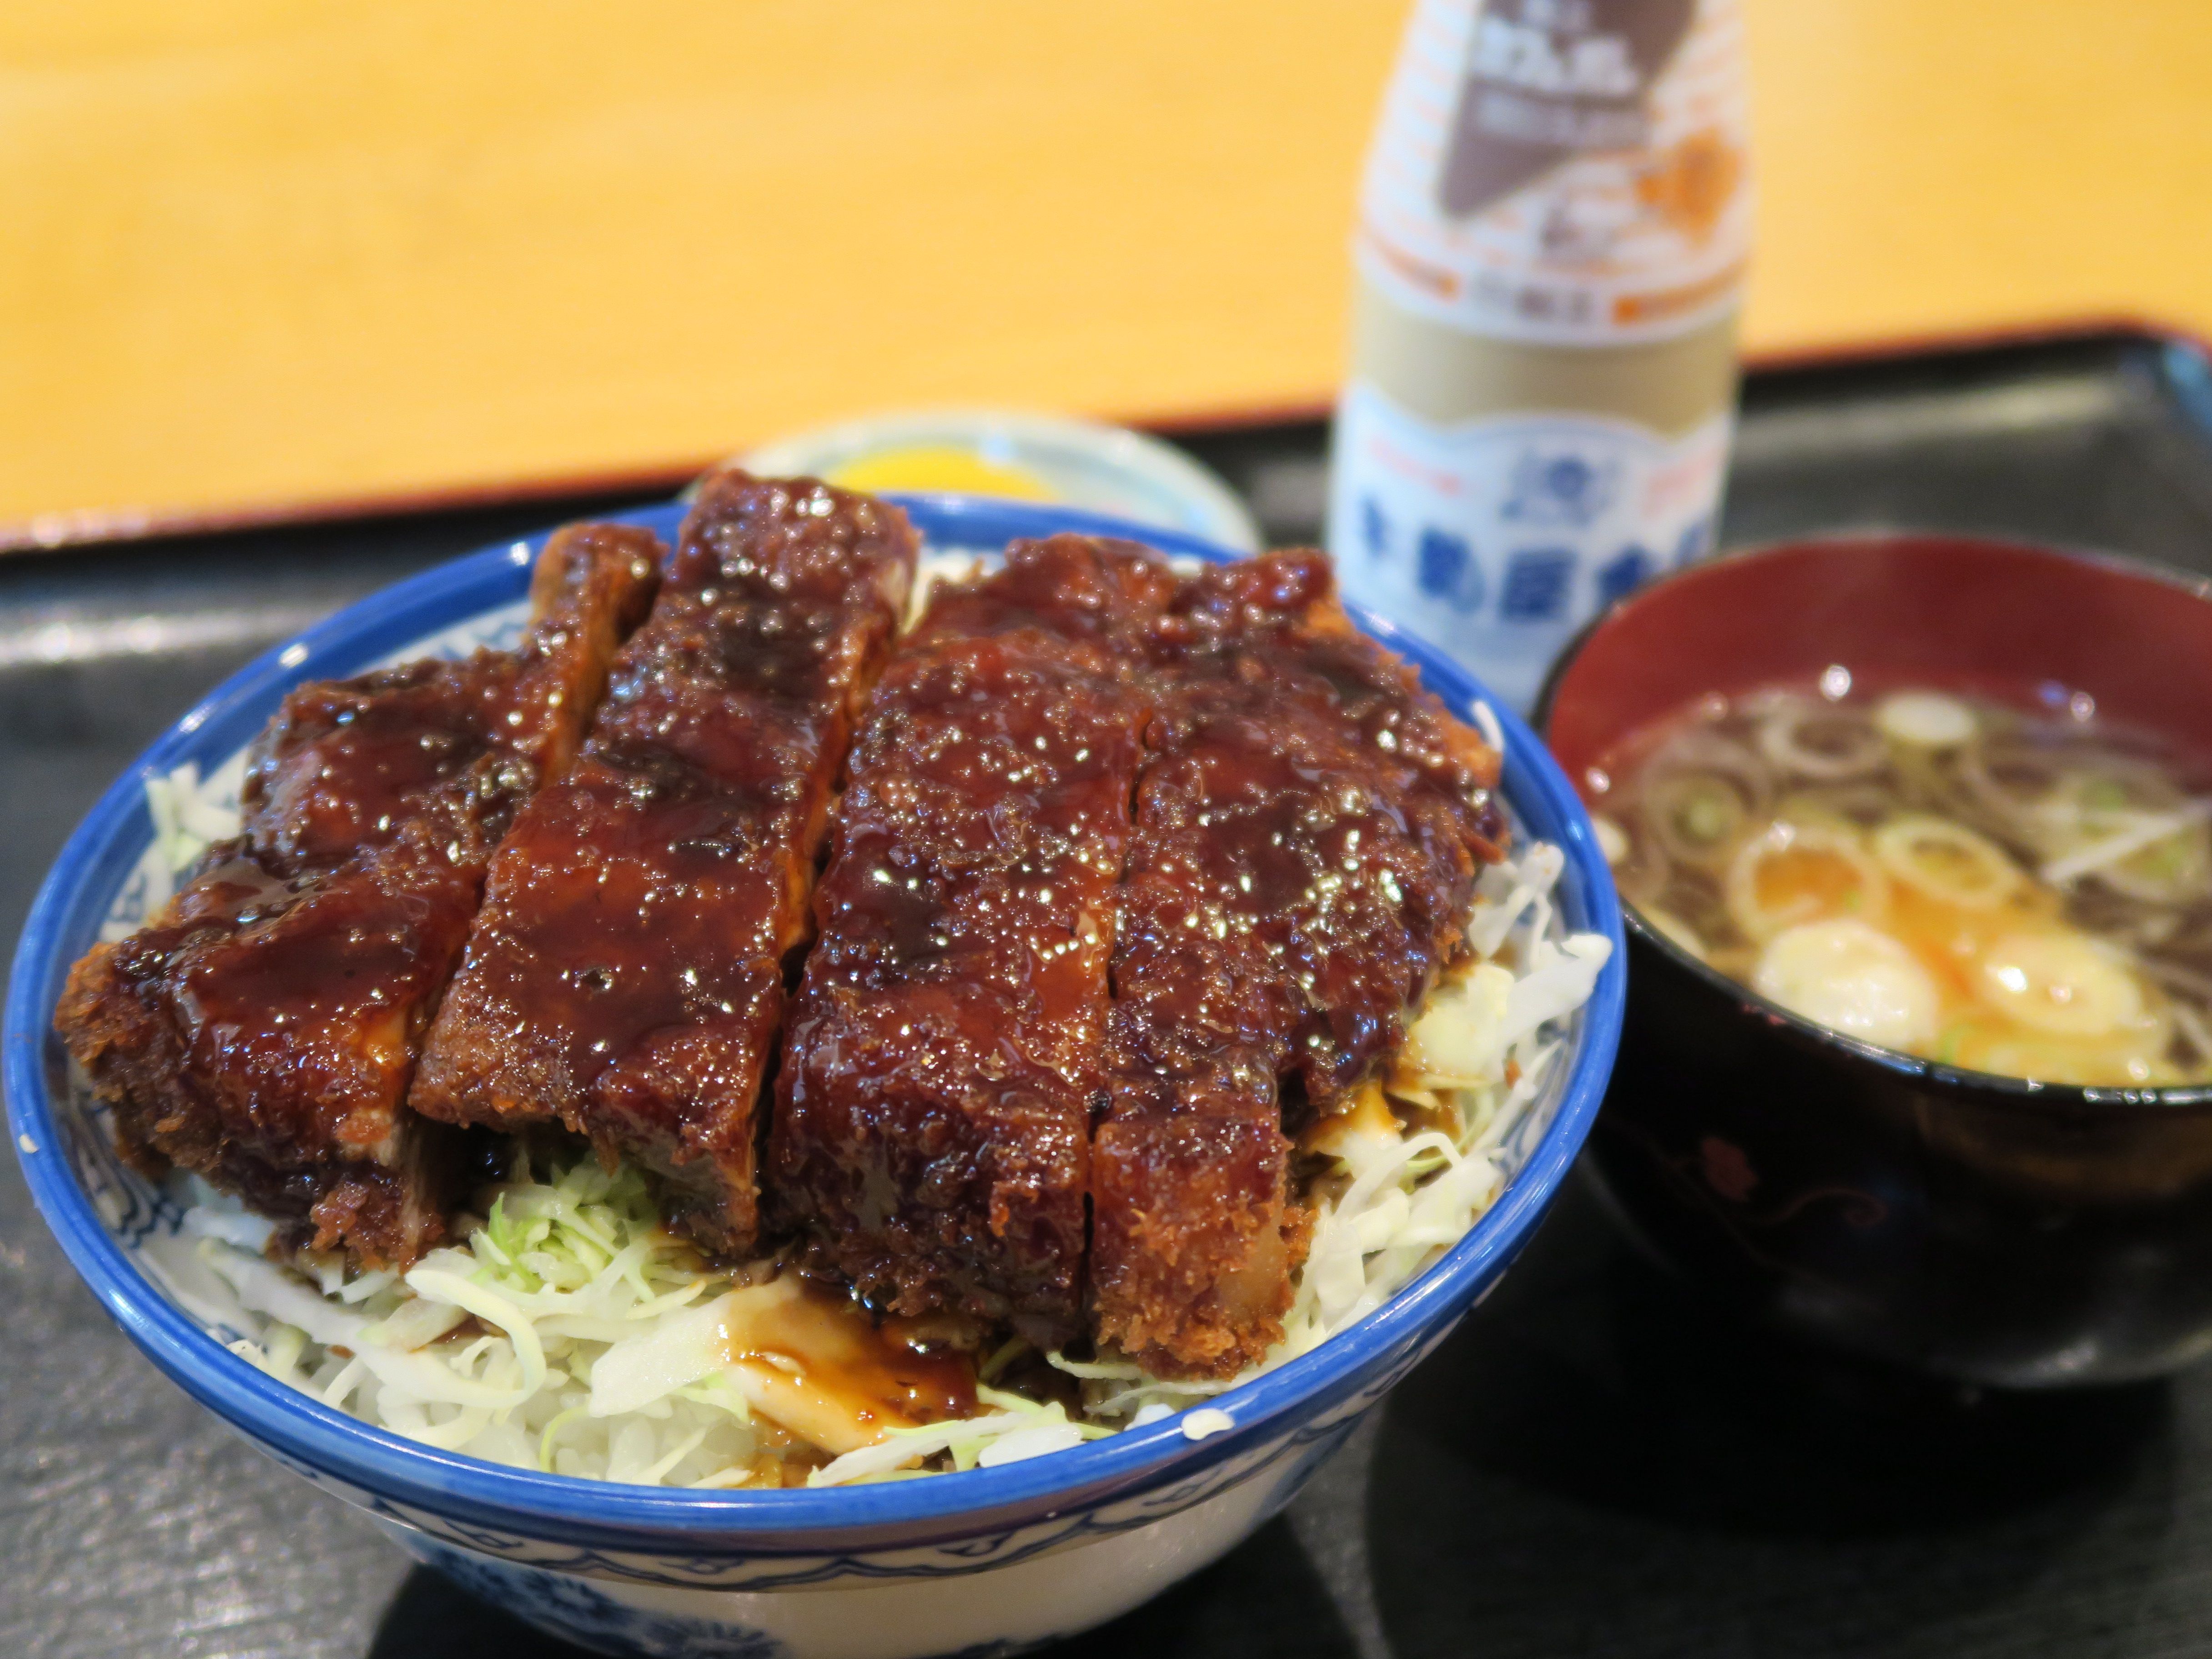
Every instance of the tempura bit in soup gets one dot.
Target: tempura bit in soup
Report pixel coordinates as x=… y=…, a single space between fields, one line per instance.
x=2028 y=894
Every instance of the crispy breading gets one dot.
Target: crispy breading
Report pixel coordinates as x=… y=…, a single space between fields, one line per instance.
x=933 y=1122
x=262 y=1030
x=1308 y=826
x=626 y=974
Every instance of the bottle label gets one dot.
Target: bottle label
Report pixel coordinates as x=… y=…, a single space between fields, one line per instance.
x=1497 y=539
x=1565 y=171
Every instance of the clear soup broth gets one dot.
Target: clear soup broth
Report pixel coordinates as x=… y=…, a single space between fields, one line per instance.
x=2026 y=893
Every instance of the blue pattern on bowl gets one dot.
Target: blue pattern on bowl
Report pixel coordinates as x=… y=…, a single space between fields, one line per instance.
x=580 y=1610
x=726 y=1549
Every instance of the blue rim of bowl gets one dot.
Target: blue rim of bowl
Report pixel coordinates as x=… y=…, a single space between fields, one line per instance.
x=319 y=1438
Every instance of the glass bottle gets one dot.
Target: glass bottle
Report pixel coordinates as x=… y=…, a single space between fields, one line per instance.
x=1554 y=226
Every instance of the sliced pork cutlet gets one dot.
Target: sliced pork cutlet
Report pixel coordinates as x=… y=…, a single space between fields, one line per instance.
x=626 y=974
x=261 y=1031
x=932 y=1116
x=1308 y=826
x=345 y=762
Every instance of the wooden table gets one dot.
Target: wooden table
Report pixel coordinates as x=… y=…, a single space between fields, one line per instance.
x=265 y=258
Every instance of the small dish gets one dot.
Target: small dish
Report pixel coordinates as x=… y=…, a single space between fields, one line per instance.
x=1084 y=464
x=1981 y=1227
x=983 y=1561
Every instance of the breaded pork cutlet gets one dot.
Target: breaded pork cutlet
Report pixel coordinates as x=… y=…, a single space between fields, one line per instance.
x=626 y=975
x=1308 y=828
x=262 y=1030
x=933 y=1123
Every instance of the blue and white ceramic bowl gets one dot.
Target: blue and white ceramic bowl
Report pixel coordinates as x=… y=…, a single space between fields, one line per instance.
x=989 y=1561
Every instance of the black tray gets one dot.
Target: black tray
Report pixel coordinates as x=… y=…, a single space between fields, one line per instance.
x=1596 y=1463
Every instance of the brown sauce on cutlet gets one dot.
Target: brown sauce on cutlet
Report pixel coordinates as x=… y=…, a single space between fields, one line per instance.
x=625 y=975
x=1306 y=783
x=347 y=764
x=311 y=1014
x=1305 y=842
x=261 y=1032
x=931 y=1130
x=640 y=876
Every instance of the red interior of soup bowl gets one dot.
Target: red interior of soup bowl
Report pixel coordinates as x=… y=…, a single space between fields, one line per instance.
x=1958 y=613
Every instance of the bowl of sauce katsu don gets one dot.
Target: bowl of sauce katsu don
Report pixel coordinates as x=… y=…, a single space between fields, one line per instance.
x=767 y=1075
